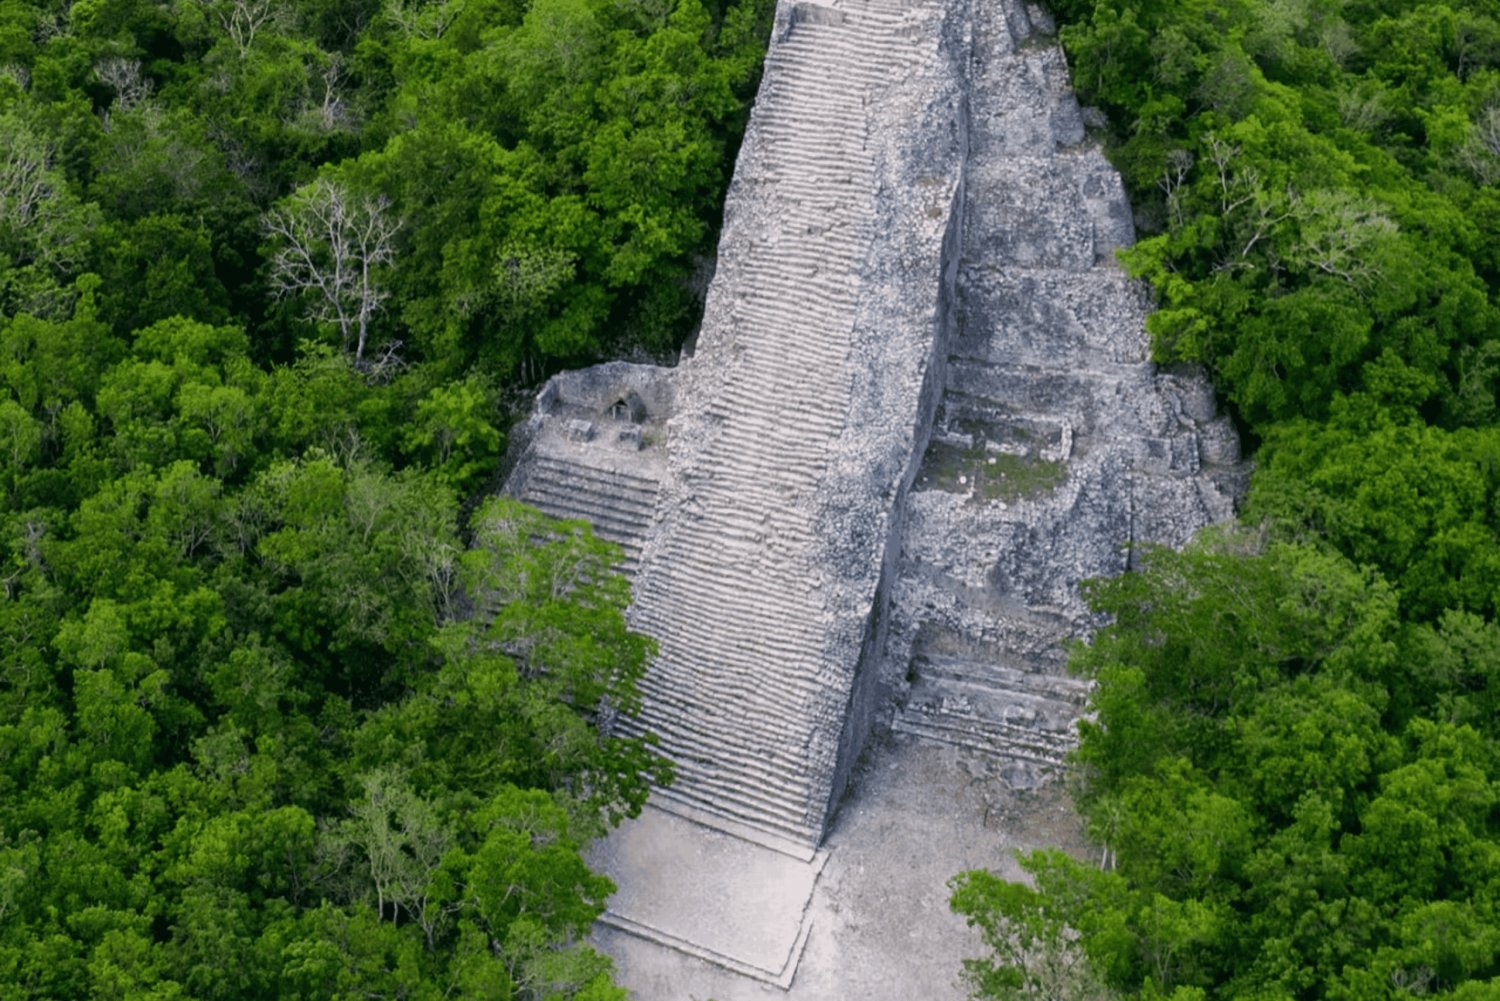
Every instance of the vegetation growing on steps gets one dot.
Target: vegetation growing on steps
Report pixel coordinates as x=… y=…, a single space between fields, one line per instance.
x=987 y=475
x=1294 y=768
x=285 y=711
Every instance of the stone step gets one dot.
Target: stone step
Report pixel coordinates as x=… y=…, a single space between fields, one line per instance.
x=831 y=311
x=989 y=714
x=770 y=312
x=802 y=833
x=740 y=652
x=1076 y=397
x=1015 y=676
x=824 y=132
x=739 y=685
x=744 y=691
x=801 y=847
x=727 y=800
x=628 y=534
x=759 y=581
x=743 y=772
x=990 y=635
x=812 y=249
x=803 y=300
x=729 y=757
x=997 y=742
x=749 y=754
x=793 y=420
x=736 y=769
x=616 y=503
x=737 y=625
x=1020 y=706
x=760 y=485
x=627 y=485
x=800 y=282
x=618 y=506
x=733 y=770
x=859 y=42
x=798 y=452
x=741 y=622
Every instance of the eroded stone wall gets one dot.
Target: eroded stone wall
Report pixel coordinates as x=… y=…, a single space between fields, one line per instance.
x=1059 y=446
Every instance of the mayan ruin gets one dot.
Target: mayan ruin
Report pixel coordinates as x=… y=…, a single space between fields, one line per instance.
x=919 y=413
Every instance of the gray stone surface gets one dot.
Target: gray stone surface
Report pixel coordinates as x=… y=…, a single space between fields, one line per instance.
x=728 y=902
x=1058 y=445
x=921 y=412
x=761 y=518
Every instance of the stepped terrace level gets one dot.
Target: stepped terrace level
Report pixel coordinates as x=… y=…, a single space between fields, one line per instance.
x=1058 y=445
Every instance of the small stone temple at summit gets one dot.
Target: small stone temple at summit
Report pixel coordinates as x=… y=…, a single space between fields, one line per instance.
x=920 y=412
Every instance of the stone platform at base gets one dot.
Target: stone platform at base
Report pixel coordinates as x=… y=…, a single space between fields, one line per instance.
x=721 y=899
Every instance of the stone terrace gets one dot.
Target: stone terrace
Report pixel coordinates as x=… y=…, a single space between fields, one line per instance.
x=1058 y=444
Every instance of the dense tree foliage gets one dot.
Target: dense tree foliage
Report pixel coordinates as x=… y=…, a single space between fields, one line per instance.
x=1312 y=166
x=528 y=182
x=286 y=709
x=254 y=744
x=1295 y=791
x=1292 y=766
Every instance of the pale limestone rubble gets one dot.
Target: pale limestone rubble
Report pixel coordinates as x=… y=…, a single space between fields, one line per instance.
x=1058 y=445
x=920 y=412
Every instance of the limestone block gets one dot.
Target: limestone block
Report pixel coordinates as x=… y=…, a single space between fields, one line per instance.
x=1032 y=112
x=1218 y=444
x=1030 y=214
x=1174 y=456
x=1104 y=199
x=1063 y=318
x=1041 y=19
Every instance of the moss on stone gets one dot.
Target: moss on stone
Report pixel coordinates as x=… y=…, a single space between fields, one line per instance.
x=990 y=476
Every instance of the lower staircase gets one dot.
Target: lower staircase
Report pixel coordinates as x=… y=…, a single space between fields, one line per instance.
x=619 y=505
x=1019 y=711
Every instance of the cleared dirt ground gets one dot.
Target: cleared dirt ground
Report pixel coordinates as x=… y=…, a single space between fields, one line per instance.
x=916 y=814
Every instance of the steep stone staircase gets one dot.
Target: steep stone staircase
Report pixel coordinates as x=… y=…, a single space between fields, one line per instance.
x=738 y=694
